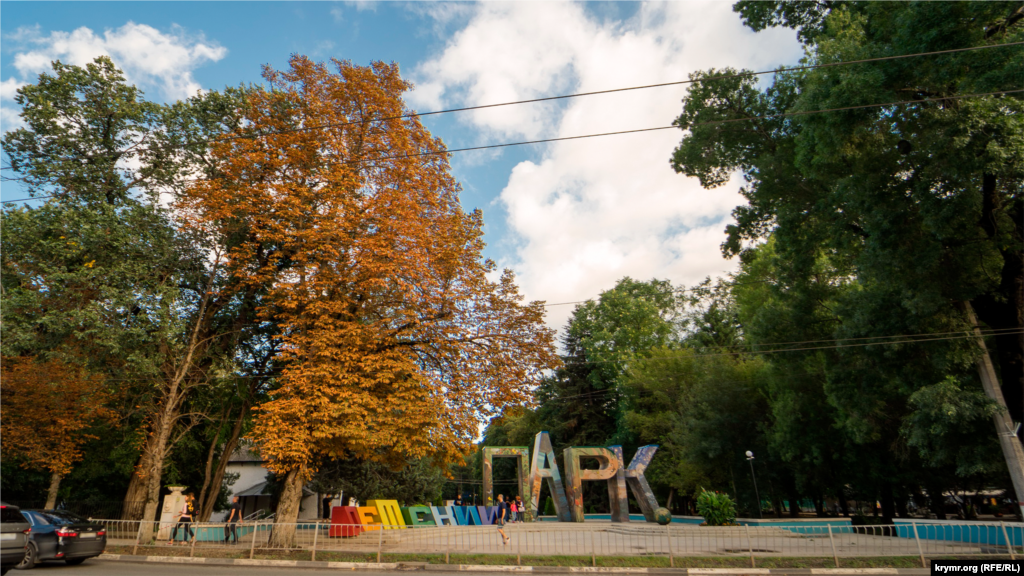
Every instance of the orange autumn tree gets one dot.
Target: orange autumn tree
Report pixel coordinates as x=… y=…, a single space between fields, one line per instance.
x=344 y=214
x=47 y=410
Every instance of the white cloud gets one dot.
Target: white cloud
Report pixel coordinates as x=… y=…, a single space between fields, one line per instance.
x=159 y=63
x=9 y=88
x=149 y=58
x=362 y=5
x=589 y=212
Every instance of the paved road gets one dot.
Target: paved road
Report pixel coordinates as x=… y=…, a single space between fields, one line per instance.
x=95 y=567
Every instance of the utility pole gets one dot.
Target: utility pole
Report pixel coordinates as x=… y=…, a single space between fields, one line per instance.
x=750 y=459
x=1013 y=451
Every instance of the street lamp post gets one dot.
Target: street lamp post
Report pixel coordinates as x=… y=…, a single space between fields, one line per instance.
x=750 y=458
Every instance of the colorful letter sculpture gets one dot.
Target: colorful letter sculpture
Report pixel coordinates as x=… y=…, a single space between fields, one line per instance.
x=417 y=516
x=542 y=452
x=489 y=514
x=637 y=482
x=443 y=515
x=467 y=516
x=608 y=470
x=369 y=517
x=522 y=456
x=390 y=513
x=345 y=522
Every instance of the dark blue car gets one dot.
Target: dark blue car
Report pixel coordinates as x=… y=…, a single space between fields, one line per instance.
x=59 y=535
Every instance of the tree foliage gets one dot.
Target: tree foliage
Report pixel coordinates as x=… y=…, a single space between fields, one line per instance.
x=394 y=342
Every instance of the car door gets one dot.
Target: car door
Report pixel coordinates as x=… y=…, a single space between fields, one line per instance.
x=42 y=534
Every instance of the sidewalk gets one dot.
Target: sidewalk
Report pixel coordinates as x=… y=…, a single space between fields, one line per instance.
x=423 y=566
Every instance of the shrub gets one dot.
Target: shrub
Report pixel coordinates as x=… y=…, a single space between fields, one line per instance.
x=549 y=507
x=716 y=508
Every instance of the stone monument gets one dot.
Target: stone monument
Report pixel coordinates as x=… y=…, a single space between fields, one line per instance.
x=169 y=514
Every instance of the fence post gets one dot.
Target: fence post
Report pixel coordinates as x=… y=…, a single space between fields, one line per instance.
x=252 y=547
x=380 y=542
x=835 y=558
x=917 y=539
x=138 y=537
x=519 y=552
x=195 y=535
x=447 y=542
x=593 y=549
x=750 y=546
x=1009 y=545
x=671 y=559
x=316 y=532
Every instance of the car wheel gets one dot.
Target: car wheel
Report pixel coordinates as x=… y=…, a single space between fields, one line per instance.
x=74 y=561
x=30 y=558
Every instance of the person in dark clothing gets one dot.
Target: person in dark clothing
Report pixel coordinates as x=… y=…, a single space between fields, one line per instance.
x=233 y=517
x=502 y=518
x=458 y=500
x=327 y=506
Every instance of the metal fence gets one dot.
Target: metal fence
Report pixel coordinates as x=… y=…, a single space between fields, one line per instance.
x=592 y=539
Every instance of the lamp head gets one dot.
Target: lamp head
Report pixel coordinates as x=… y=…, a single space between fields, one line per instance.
x=750 y=454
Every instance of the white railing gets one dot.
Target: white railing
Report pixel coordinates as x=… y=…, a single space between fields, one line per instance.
x=590 y=540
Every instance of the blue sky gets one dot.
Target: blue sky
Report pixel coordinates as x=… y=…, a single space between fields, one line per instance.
x=570 y=218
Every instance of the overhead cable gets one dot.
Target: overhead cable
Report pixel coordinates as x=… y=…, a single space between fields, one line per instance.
x=593 y=93
x=639 y=130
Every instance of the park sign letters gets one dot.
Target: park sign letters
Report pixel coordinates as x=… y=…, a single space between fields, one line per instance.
x=348 y=521
x=568 y=498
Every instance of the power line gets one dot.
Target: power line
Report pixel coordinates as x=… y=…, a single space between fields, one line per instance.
x=906 y=339
x=638 y=130
x=591 y=93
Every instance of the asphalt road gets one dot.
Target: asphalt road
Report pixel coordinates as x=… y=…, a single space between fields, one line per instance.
x=94 y=567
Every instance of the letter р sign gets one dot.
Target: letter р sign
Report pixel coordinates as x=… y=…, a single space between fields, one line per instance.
x=568 y=498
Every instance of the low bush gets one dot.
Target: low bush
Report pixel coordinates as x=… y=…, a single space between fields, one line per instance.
x=716 y=508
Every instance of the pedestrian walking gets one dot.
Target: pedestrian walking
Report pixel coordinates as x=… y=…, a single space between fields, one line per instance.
x=188 y=511
x=512 y=511
x=520 y=510
x=502 y=517
x=234 y=516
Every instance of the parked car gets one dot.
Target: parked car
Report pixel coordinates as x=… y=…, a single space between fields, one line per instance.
x=14 y=530
x=60 y=535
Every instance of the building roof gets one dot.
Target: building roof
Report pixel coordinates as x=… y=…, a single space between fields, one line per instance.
x=244 y=453
x=261 y=490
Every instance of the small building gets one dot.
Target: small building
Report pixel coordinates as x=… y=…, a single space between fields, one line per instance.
x=252 y=488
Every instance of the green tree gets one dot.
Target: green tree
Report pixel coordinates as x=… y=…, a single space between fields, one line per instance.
x=918 y=207
x=101 y=272
x=705 y=411
x=580 y=403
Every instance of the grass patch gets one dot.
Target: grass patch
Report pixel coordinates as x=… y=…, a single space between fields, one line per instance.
x=529 y=560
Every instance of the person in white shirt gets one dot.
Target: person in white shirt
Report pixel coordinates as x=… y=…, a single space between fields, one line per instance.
x=188 y=511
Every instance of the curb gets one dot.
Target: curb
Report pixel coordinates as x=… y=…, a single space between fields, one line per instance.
x=422 y=566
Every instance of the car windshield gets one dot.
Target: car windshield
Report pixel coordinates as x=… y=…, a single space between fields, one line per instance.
x=59 y=517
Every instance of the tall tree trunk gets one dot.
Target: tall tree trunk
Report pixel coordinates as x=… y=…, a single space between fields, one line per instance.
x=206 y=508
x=131 y=509
x=201 y=501
x=51 y=494
x=287 y=514
x=843 y=504
x=159 y=448
x=1013 y=451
